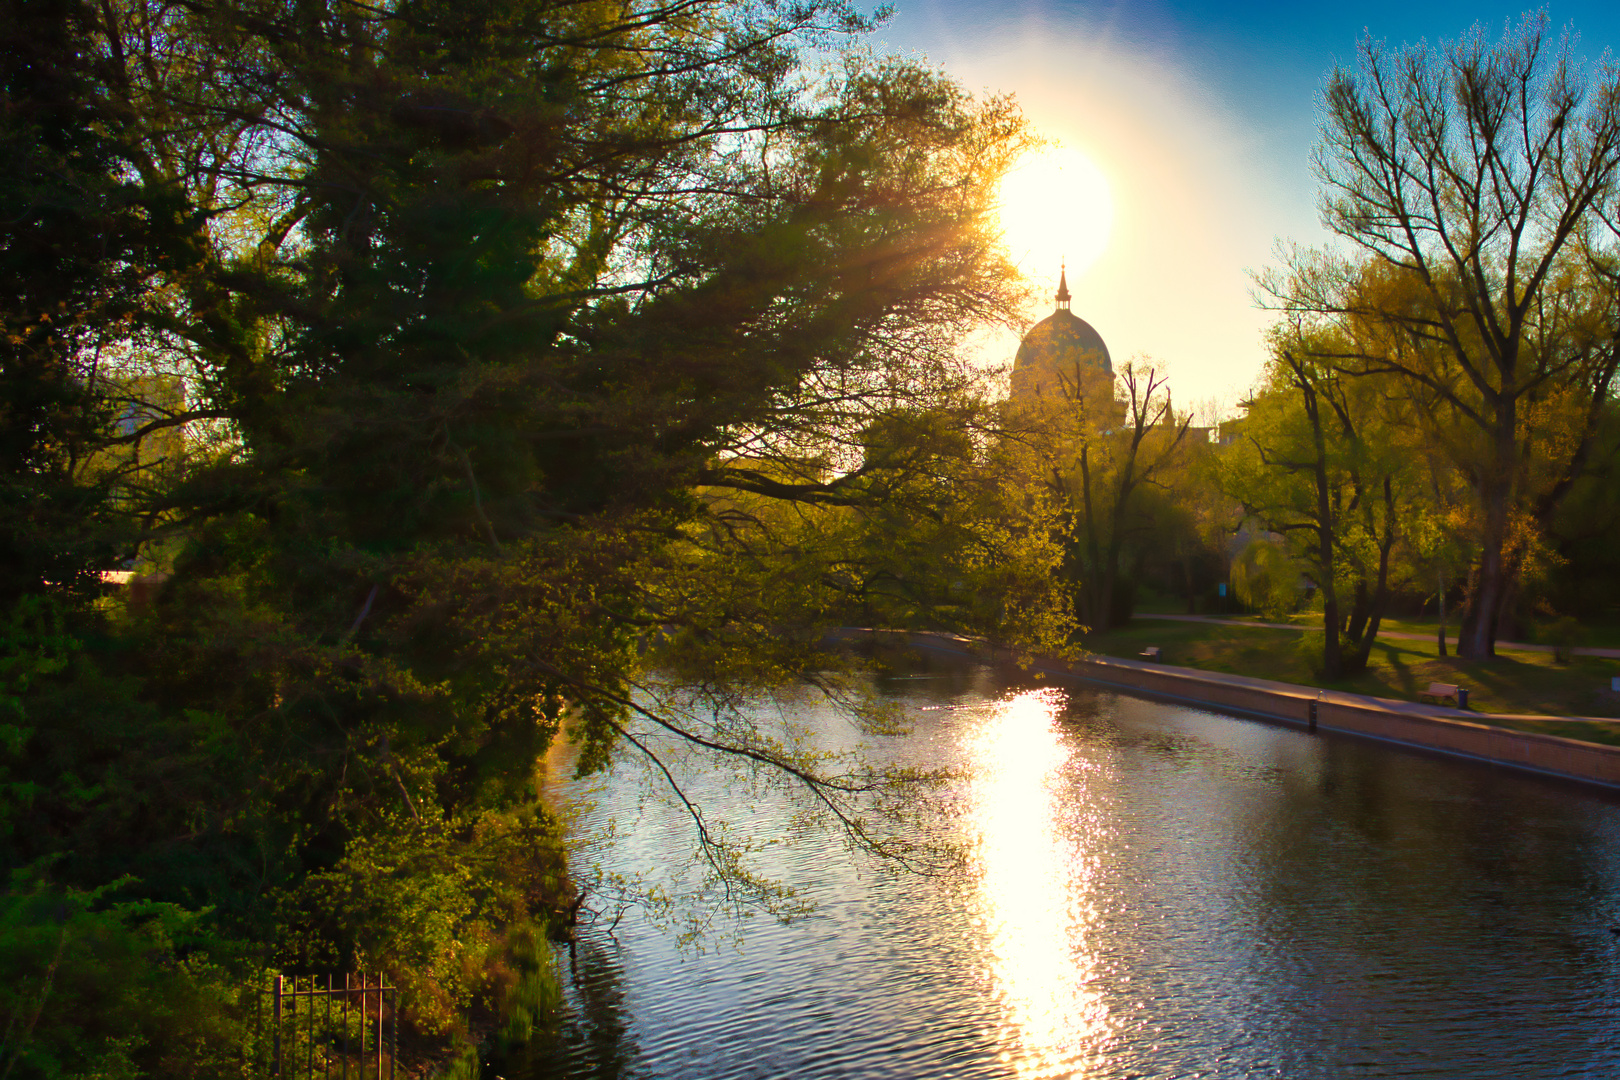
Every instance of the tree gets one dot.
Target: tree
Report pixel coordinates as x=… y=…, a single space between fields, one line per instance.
x=1094 y=454
x=75 y=258
x=1187 y=524
x=1438 y=529
x=923 y=531
x=1586 y=580
x=1478 y=182
x=480 y=305
x=1320 y=463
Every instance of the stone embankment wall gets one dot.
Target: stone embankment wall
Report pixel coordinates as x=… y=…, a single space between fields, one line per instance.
x=1426 y=727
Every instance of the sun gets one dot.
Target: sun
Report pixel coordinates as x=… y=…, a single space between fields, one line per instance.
x=1055 y=206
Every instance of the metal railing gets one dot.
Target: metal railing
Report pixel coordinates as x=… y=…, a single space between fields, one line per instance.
x=330 y=1025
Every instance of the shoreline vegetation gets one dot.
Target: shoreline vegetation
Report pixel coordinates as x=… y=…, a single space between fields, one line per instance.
x=411 y=368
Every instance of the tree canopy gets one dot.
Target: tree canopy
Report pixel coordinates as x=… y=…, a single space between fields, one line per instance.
x=454 y=367
x=1476 y=185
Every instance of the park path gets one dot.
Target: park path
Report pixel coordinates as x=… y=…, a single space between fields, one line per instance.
x=1514 y=646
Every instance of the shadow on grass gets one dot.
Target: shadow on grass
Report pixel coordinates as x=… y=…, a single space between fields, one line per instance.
x=1395 y=659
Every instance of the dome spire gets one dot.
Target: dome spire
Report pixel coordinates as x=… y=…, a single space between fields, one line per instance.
x=1063 y=286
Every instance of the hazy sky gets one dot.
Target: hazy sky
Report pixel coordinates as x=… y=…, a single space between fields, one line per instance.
x=1201 y=118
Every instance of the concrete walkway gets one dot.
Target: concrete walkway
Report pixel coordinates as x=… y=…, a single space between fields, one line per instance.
x=1405 y=635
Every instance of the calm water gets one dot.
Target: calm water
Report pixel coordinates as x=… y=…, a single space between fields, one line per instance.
x=1155 y=891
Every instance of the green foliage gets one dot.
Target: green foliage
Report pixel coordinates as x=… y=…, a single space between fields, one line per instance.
x=97 y=987
x=461 y=364
x=1100 y=464
x=1309 y=651
x=32 y=646
x=1266 y=578
x=435 y=905
x=74 y=256
x=1328 y=465
x=1585 y=578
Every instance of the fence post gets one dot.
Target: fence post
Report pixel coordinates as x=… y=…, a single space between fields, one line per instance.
x=275 y=1019
x=393 y=1037
x=379 y=1024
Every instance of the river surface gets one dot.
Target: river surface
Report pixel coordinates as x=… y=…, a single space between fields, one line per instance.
x=1151 y=891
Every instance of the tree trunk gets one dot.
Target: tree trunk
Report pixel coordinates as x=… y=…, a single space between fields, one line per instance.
x=1440 y=597
x=1093 y=589
x=1105 y=599
x=1332 y=656
x=1373 y=606
x=1332 y=659
x=1356 y=625
x=1476 y=638
x=1111 y=569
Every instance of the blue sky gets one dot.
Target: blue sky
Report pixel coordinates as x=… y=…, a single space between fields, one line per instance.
x=1202 y=117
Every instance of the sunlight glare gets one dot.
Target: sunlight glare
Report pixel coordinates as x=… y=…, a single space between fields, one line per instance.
x=1055 y=206
x=1034 y=901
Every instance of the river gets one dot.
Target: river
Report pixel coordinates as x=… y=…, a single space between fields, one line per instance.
x=1152 y=891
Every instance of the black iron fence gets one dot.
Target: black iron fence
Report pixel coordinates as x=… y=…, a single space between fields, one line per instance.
x=344 y=1026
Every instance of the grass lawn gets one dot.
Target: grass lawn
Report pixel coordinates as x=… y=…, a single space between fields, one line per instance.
x=1599 y=633
x=1603 y=633
x=1513 y=683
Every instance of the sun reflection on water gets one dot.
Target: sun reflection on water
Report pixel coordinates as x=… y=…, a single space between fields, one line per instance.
x=1036 y=853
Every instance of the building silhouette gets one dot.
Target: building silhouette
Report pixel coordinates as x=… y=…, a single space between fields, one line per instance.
x=1062 y=355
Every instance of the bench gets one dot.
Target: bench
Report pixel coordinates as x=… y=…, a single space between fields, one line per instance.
x=1443 y=692
x=1150 y=653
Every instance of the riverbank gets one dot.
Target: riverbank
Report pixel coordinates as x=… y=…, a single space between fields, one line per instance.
x=1529 y=684
x=1497 y=739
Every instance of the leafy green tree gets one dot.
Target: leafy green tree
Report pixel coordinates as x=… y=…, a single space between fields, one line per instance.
x=1438 y=531
x=928 y=533
x=1586 y=581
x=1319 y=462
x=74 y=259
x=491 y=324
x=1188 y=523
x=106 y=988
x=1266 y=577
x=1477 y=182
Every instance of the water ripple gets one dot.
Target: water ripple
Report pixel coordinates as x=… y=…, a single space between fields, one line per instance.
x=1155 y=891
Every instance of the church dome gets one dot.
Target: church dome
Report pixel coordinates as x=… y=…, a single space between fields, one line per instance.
x=1058 y=348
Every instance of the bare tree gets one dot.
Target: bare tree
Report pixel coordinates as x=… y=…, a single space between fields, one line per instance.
x=1478 y=181
x=1094 y=452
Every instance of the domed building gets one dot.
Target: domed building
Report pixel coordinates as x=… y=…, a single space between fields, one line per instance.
x=1062 y=350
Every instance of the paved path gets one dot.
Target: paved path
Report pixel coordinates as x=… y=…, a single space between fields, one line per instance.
x=1406 y=635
